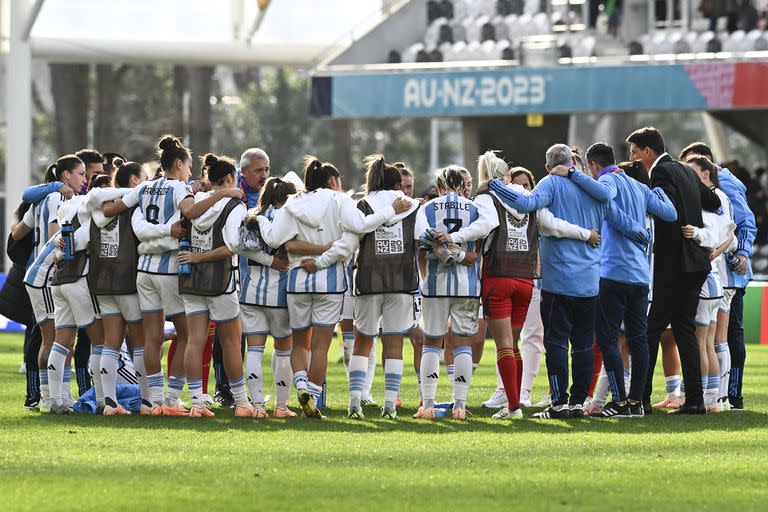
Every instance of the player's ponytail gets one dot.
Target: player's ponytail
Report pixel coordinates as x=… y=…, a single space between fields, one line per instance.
x=380 y=175
x=317 y=174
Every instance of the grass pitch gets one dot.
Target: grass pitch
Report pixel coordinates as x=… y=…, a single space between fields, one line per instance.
x=716 y=462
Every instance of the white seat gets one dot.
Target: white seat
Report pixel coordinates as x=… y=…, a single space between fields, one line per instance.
x=660 y=43
x=456 y=52
x=460 y=9
x=700 y=45
x=531 y=7
x=490 y=50
x=513 y=28
x=472 y=28
x=459 y=33
x=585 y=47
x=525 y=25
x=541 y=24
x=409 y=54
x=474 y=51
x=501 y=28
x=432 y=35
x=735 y=42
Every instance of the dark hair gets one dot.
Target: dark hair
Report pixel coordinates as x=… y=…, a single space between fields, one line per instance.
x=111 y=161
x=380 y=175
x=217 y=168
x=170 y=150
x=430 y=194
x=125 y=171
x=90 y=156
x=275 y=192
x=64 y=163
x=636 y=171
x=514 y=172
x=697 y=148
x=100 y=180
x=601 y=153
x=706 y=165
x=317 y=174
x=451 y=178
x=648 y=137
x=405 y=172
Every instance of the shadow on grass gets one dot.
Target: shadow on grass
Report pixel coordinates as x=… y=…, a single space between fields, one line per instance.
x=338 y=422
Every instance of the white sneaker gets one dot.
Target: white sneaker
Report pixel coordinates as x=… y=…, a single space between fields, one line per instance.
x=505 y=414
x=498 y=399
x=23 y=367
x=45 y=405
x=68 y=401
x=525 y=398
x=545 y=402
x=206 y=400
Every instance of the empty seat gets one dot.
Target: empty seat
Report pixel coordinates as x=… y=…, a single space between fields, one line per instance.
x=459 y=32
x=409 y=54
x=446 y=9
x=635 y=48
x=508 y=53
x=735 y=42
x=490 y=51
x=585 y=47
x=702 y=40
x=502 y=32
x=394 y=57
x=541 y=24
x=436 y=55
x=423 y=56
x=487 y=32
x=564 y=51
x=513 y=30
x=446 y=34
x=532 y=7
x=714 y=45
x=433 y=10
x=432 y=34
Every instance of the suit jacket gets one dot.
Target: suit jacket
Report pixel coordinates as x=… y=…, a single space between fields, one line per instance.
x=673 y=253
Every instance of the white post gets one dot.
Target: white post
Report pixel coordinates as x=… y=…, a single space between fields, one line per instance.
x=434 y=144
x=18 y=100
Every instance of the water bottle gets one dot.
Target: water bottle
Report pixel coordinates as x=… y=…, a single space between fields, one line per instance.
x=185 y=269
x=68 y=235
x=732 y=260
x=321 y=397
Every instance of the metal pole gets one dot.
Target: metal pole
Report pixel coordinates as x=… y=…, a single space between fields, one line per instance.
x=670 y=12
x=651 y=17
x=30 y=21
x=434 y=144
x=18 y=100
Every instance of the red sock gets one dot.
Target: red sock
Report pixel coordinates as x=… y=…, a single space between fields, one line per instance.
x=207 y=354
x=519 y=365
x=505 y=360
x=169 y=357
x=597 y=366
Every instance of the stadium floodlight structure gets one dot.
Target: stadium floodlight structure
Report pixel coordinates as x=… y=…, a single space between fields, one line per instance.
x=23 y=44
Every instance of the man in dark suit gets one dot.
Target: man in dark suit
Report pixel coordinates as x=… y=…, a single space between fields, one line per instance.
x=680 y=266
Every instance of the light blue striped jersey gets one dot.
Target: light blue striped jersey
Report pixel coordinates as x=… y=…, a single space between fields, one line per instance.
x=264 y=286
x=449 y=213
x=44 y=212
x=158 y=203
x=712 y=287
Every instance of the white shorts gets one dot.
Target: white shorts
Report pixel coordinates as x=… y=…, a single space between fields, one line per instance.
x=460 y=311
x=308 y=309
x=706 y=311
x=348 y=310
x=392 y=311
x=42 y=303
x=126 y=306
x=75 y=305
x=219 y=308
x=416 y=307
x=261 y=320
x=725 y=302
x=159 y=293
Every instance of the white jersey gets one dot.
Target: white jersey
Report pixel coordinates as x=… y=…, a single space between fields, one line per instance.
x=262 y=285
x=38 y=217
x=728 y=276
x=449 y=213
x=158 y=208
x=718 y=227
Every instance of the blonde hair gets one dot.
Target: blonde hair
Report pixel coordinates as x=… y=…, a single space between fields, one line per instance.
x=490 y=166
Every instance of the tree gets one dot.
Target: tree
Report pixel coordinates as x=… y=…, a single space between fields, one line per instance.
x=71 y=95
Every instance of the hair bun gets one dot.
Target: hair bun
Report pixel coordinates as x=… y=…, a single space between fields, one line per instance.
x=210 y=160
x=117 y=162
x=168 y=143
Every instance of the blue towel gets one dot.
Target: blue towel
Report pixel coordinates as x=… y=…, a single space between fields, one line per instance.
x=128 y=395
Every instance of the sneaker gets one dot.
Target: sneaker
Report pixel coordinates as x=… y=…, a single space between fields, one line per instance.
x=506 y=414
x=224 y=398
x=283 y=412
x=23 y=367
x=525 y=399
x=368 y=402
x=593 y=407
x=259 y=412
x=32 y=403
x=636 y=409
x=388 y=414
x=307 y=403
x=200 y=411
x=544 y=402
x=207 y=400
x=671 y=402
x=737 y=403
x=44 y=405
x=174 y=410
x=459 y=414
x=61 y=409
x=613 y=410
x=356 y=414
x=115 y=411
x=244 y=411
x=425 y=414
x=554 y=412
x=577 y=411
x=498 y=399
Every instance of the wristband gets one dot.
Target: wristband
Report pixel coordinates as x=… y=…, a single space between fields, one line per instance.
x=460 y=257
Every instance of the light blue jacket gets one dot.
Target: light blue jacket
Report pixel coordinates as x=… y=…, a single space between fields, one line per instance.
x=746 y=229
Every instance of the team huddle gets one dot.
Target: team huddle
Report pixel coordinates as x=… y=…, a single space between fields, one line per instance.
x=598 y=260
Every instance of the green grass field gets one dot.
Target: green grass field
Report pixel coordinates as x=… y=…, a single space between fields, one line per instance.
x=717 y=462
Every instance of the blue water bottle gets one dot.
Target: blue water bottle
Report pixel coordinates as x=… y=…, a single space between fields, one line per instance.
x=322 y=397
x=184 y=268
x=731 y=260
x=68 y=235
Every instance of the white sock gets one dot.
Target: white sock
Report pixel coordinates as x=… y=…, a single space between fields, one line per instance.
x=66 y=385
x=724 y=359
x=95 y=364
x=531 y=352
x=462 y=375
x=347 y=346
x=141 y=373
x=253 y=373
x=393 y=374
x=672 y=385
x=370 y=372
x=156 y=383
x=109 y=363
x=238 y=392
x=300 y=380
x=449 y=369
x=499 y=382
x=358 y=366
x=56 y=362
x=195 y=387
x=601 y=389
x=430 y=373
x=175 y=387
x=281 y=370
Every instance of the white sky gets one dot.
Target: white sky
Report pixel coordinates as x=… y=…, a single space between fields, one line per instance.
x=315 y=21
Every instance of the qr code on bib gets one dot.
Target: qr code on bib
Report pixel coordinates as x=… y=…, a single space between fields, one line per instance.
x=108 y=251
x=517 y=245
x=389 y=239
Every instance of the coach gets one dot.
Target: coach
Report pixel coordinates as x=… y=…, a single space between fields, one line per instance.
x=680 y=265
